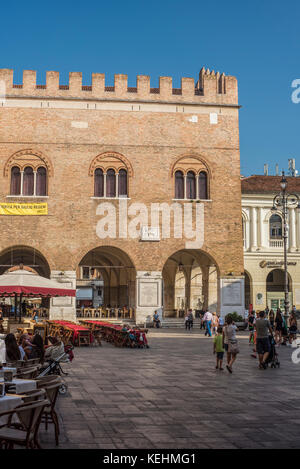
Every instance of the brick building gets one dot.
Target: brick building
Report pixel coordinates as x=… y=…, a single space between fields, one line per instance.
x=89 y=152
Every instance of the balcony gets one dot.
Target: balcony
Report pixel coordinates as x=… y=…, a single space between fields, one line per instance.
x=276 y=243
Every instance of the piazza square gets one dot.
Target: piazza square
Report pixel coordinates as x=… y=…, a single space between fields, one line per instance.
x=150 y=231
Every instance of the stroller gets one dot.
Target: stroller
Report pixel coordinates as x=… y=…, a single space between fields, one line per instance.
x=54 y=367
x=273 y=355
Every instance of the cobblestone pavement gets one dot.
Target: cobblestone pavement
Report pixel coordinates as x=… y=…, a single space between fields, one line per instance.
x=171 y=396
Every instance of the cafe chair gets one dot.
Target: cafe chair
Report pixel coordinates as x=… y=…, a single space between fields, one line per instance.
x=29 y=416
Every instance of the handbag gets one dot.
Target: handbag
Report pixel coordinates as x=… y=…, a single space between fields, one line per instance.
x=234 y=348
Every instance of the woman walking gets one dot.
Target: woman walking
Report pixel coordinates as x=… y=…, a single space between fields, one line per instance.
x=278 y=326
x=233 y=348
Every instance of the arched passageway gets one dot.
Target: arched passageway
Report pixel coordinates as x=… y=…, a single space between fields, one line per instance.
x=106 y=279
x=190 y=279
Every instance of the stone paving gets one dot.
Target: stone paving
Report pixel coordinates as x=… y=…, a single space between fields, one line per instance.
x=171 y=396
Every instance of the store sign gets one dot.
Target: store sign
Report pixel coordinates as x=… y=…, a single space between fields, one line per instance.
x=274 y=264
x=24 y=209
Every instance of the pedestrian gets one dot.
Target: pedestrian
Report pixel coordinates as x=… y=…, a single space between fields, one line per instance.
x=225 y=341
x=190 y=318
x=215 y=323
x=263 y=346
x=219 y=349
x=278 y=326
x=251 y=322
x=272 y=318
x=208 y=318
x=233 y=348
x=187 y=322
x=293 y=327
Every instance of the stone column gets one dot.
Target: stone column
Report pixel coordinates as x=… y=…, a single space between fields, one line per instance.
x=22 y=181
x=148 y=295
x=292 y=230
x=253 y=226
x=34 y=182
x=232 y=295
x=260 y=228
x=117 y=185
x=64 y=307
x=212 y=289
x=104 y=185
x=184 y=195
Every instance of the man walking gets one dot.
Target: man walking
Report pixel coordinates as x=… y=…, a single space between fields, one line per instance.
x=263 y=328
x=208 y=319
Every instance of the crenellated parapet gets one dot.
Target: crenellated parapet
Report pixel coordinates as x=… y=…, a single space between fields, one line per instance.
x=211 y=88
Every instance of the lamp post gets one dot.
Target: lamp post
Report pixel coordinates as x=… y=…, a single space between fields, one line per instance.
x=281 y=203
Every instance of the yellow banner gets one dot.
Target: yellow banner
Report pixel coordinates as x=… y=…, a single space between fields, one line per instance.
x=24 y=209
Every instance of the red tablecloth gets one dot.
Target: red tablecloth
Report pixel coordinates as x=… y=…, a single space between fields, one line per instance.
x=141 y=336
x=75 y=328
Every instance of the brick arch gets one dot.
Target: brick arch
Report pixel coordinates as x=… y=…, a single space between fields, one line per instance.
x=190 y=162
x=28 y=157
x=110 y=160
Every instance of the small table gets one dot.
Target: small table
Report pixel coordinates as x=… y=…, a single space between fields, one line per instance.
x=8 y=403
x=7 y=368
x=22 y=385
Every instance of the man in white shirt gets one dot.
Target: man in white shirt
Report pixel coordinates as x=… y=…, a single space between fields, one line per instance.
x=208 y=319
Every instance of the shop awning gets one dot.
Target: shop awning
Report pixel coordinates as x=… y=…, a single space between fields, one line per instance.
x=31 y=284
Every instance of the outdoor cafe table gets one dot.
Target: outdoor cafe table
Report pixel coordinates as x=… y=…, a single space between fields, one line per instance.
x=7 y=368
x=8 y=403
x=22 y=385
x=76 y=329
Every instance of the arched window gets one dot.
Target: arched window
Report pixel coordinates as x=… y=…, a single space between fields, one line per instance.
x=111 y=183
x=275 y=227
x=28 y=181
x=122 y=183
x=41 y=181
x=202 y=185
x=179 y=185
x=191 y=185
x=15 y=182
x=98 y=183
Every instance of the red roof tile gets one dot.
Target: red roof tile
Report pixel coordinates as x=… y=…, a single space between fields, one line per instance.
x=268 y=184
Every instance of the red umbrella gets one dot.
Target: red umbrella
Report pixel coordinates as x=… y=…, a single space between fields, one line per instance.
x=22 y=282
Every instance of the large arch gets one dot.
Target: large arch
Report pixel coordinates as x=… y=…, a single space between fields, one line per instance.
x=31 y=259
x=111 y=270
x=275 y=289
x=198 y=275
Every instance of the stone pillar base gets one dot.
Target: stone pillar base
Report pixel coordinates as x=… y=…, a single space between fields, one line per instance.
x=232 y=295
x=148 y=295
x=63 y=307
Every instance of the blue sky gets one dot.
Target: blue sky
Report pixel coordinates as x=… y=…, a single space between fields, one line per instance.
x=256 y=41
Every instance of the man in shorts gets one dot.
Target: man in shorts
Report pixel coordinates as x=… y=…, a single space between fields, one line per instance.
x=263 y=328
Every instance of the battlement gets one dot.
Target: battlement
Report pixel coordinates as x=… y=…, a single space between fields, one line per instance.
x=211 y=88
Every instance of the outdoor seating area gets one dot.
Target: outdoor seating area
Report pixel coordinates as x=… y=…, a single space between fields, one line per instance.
x=119 y=336
x=26 y=402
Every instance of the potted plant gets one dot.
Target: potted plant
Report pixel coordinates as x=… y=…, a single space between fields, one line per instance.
x=238 y=320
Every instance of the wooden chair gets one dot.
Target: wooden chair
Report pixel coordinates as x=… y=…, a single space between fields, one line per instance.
x=24 y=433
x=49 y=414
x=84 y=338
x=47 y=380
x=27 y=373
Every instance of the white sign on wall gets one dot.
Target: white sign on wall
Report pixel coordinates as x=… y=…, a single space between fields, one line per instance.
x=150 y=233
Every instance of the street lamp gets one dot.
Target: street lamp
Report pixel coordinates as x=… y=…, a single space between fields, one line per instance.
x=281 y=203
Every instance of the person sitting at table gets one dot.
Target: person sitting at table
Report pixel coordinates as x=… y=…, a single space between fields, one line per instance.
x=13 y=353
x=156 y=319
x=36 y=350
x=55 y=349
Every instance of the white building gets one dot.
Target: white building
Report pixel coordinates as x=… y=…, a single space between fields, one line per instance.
x=263 y=243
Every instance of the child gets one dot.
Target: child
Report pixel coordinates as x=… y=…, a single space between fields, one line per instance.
x=218 y=348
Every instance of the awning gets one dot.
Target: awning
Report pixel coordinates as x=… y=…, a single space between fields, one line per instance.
x=31 y=284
